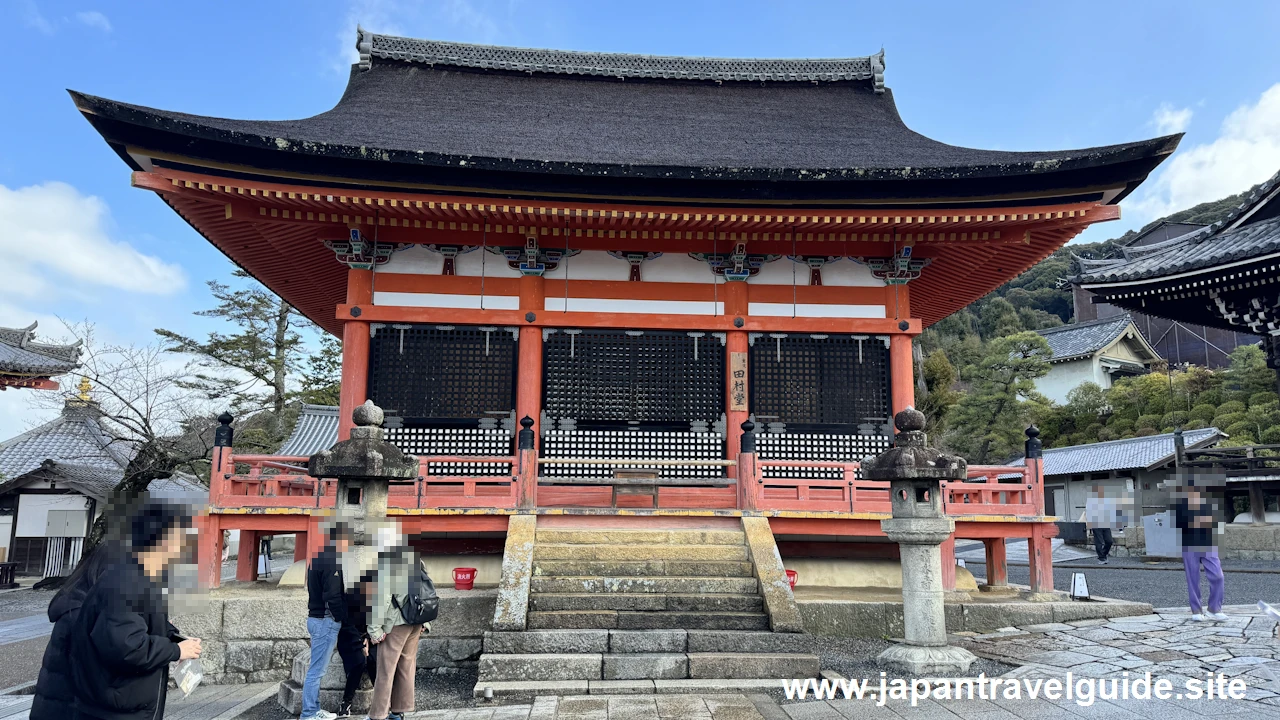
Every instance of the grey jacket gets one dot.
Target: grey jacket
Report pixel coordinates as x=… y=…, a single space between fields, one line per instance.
x=390 y=587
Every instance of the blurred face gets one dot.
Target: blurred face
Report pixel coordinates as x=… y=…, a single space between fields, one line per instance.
x=163 y=553
x=341 y=543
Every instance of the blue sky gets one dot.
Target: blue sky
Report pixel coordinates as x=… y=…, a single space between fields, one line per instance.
x=77 y=242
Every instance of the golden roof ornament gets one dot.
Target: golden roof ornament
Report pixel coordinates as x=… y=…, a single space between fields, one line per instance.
x=83 y=389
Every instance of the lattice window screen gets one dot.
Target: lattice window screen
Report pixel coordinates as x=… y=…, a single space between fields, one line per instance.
x=619 y=376
x=446 y=390
x=820 y=398
x=632 y=444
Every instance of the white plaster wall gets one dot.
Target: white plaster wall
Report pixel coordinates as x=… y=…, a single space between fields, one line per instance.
x=1067 y=376
x=677 y=267
x=415 y=260
x=841 y=273
x=6 y=529
x=33 y=511
x=593 y=265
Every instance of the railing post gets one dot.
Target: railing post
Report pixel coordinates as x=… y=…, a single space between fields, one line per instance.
x=221 y=463
x=997 y=562
x=209 y=550
x=749 y=474
x=527 y=465
x=1035 y=468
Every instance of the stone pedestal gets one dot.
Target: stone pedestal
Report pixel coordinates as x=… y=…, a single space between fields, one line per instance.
x=925 y=651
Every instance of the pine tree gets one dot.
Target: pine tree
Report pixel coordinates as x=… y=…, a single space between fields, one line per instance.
x=987 y=424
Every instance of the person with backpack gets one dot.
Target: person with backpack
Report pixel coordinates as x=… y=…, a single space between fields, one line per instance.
x=404 y=604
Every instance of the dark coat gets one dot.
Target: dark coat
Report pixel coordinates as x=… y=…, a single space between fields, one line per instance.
x=325 y=586
x=53 y=695
x=121 y=647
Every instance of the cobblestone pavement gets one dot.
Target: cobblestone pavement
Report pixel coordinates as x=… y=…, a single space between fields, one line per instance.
x=1168 y=644
x=1160 y=588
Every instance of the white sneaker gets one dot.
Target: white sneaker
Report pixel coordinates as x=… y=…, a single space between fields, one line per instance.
x=1197 y=618
x=1219 y=616
x=325 y=715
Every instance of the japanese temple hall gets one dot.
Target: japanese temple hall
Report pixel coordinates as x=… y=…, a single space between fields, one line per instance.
x=695 y=281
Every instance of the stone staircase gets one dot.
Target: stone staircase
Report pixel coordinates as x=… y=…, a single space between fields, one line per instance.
x=641 y=610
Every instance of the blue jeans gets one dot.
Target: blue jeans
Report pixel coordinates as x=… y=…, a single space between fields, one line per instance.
x=324 y=637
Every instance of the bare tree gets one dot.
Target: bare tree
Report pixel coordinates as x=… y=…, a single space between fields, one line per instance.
x=144 y=402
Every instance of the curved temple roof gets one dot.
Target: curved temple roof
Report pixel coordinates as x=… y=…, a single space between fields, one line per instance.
x=516 y=122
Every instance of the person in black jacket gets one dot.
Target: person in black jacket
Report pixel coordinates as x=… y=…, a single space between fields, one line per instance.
x=53 y=694
x=122 y=642
x=326 y=612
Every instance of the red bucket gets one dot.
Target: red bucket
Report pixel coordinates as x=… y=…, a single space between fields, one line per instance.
x=464 y=578
x=792 y=577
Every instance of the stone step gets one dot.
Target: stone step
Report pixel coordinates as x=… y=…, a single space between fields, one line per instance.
x=723 y=641
x=616 y=536
x=638 y=552
x=708 y=666
x=547 y=641
x=536 y=667
x=660 y=585
x=525 y=692
x=651 y=602
x=631 y=568
x=553 y=667
x=628 y=620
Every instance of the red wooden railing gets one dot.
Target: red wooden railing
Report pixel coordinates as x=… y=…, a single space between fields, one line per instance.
x=273 y=481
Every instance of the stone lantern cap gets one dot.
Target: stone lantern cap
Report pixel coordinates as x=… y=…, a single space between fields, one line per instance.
x=911 y=457
x=366 y=454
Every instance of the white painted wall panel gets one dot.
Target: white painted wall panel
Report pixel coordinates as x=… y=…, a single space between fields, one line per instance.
x=444 y=300
x=591 y=265
x=660 y=307
x=33 y=511
x=815 y=310
x=677 y=267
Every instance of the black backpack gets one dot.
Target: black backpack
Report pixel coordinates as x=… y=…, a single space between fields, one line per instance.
x=421 y=604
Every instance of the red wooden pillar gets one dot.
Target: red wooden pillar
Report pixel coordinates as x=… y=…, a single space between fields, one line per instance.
x=1040 y=556
x=997 y=564
x=949 y=563
x=529 y=370
x=300 y=546
x=247 y=561
x=315 y=536
x=355 y=351
x=529 y=388
x=901 y=374
x=209 y=550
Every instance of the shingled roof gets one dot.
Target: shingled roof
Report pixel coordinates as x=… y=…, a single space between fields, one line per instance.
x=1131 y=454
x=76 y=436
x=1251 y=231
x=20 y=354
x=1077 y=340
x=514 y=120
x=317 y=430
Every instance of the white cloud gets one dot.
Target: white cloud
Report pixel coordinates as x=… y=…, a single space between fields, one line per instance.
x=94 y=19
x=32 y=18
x=1168 y=119
x=52 y=235
x=1246 y=152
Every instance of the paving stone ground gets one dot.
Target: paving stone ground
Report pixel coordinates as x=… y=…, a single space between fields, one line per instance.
x=1168 y=644
x=594 y=707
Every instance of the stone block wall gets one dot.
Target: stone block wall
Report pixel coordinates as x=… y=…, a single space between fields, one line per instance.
x=1238 y=542
x=254 y=634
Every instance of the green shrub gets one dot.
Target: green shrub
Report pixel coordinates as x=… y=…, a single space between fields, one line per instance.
x=1262 y=398
x=1232 y=406
x=1271 y=436
x=1241 y=428
x=1175 y=418
x=1204 y=412
x=1222 y=421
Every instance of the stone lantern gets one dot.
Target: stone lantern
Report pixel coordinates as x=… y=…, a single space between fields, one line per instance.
x=915 y=473
x=364 y=465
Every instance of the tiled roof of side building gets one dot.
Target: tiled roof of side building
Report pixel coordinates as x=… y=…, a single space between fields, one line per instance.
x=1242 y=235
x=21 y=354
x=1082 y=339
x=75 y=436
x=1130 y=454
x=317 y=430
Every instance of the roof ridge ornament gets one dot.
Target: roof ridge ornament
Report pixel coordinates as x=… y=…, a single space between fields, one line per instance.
x=617 y=65
x=364 y=46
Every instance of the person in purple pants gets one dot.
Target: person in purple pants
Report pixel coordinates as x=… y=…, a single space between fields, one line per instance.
x=1193 y=517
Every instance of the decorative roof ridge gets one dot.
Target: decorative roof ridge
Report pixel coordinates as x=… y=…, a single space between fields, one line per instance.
x=1260 y=194
x=85 y=413
x=24 y=338
x=1090 y=323
x=320 y=409
x=1095 y=264
x=617 y=65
